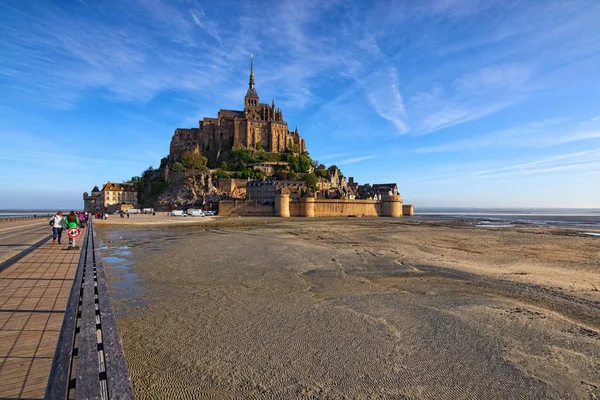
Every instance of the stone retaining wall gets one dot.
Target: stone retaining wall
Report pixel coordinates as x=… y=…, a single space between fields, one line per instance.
x=388 y=206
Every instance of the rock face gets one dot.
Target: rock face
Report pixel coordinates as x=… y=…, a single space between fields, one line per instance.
x=192 y=188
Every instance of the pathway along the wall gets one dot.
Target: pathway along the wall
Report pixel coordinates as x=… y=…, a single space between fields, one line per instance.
x=88 y=362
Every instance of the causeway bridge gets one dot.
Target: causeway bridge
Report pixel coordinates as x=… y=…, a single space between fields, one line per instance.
x=58 y=335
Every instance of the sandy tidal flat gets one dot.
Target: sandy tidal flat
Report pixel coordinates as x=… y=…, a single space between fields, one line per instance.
x=366 y=309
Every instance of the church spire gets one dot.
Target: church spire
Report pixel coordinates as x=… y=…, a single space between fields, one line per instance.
x=251 y=99
x=251 y=83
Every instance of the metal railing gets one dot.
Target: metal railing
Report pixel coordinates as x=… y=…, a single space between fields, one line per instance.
x=11 y=218
x=89 y=362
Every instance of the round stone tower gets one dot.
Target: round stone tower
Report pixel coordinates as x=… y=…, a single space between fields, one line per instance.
x=308 y=206
x=282 y=205
x=391 y=205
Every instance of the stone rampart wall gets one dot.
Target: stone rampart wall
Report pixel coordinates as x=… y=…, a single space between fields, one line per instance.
x=337 y=208
x=311 y=207
x=245 y=208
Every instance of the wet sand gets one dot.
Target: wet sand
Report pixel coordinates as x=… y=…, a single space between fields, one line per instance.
x=160 y=219
x=357 y=308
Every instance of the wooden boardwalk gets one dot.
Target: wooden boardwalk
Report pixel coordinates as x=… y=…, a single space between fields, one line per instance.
x=33 y=296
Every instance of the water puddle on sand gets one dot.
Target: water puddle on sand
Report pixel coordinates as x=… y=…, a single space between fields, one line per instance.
x=124 y=283
x=590 y=233
x=493 y=224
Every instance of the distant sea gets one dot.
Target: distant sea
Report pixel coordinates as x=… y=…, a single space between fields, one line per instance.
x=506 y=217
x=17 y=213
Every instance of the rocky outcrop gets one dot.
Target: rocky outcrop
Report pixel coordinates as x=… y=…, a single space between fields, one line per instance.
x=191 y=188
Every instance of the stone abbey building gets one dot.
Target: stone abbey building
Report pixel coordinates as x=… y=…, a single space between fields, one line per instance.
x=258 y=126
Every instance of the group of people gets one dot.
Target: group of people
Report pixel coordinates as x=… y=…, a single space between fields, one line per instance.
x=73 y=220
x=100 y=216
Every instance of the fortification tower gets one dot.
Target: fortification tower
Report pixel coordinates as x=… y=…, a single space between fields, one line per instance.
x=282 y=204
x=307 y=206
x=391 y=205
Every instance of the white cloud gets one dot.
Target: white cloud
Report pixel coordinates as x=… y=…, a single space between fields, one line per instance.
x=381 y=88
x=207 y=25
x=332 y=156
x=455 y=114
x=500 y=78
x=543 y=133
x=355 y=160
x=472 y=96
x=582 y=161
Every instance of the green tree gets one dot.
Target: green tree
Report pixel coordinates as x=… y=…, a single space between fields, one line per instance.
x=272 y=157
x=294 y=164
x=177 y=167
x=321 y=173
x=259 y=146
x=147 y=174
x=304 y=163
x=249 y=173
x=311 y=180
x=334 y=168
x=194 y=160
x=244 y=155
x=292 y=176
x=223 y=165
x=222 y=174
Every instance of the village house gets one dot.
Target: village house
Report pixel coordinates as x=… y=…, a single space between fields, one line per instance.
x=113 y=197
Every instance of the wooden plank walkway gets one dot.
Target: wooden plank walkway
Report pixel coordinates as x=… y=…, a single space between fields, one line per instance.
x=33 y=296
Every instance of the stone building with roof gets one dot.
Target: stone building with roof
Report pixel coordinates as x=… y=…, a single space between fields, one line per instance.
x=264 y=190
x=258 y=126
x=113 y=197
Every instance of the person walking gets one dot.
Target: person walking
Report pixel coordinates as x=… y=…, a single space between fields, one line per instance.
x=72 y=221
x=57 y=222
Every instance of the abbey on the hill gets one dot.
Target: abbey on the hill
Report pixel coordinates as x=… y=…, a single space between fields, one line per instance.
x=259 y=126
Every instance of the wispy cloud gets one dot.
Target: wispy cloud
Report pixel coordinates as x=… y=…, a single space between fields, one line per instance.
x=582 y=161
x=355 y=160
x=207 y=25
x=73 y=162
x=332 y=156
x=543 y=133
x=471 y=96
x=381 y=88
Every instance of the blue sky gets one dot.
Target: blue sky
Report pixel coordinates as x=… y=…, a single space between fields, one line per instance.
x=461 y=102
